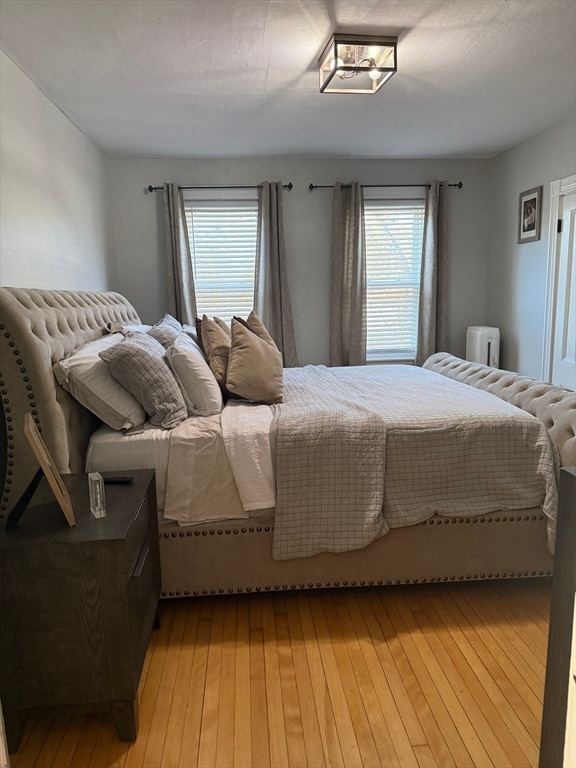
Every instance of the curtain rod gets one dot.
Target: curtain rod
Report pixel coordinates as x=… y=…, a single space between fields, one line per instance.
x=311 y=187
x=227 y=186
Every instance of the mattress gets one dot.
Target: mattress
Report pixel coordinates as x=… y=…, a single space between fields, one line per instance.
x=144 y=448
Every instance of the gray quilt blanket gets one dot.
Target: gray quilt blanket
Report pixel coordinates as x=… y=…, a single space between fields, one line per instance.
x=364 y=449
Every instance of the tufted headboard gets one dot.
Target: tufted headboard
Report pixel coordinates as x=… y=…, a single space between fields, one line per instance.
x=554 y=406
x=37 y=328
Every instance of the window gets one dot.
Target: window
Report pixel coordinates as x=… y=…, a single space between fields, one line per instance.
x=394 y=229
x=222 y=229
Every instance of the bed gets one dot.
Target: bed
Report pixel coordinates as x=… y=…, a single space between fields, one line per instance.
x=240 y=551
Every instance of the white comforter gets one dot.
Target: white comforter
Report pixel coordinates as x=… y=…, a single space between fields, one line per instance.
x=362 y=450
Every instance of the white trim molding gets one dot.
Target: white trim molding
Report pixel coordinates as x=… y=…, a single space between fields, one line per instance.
x=558 y=189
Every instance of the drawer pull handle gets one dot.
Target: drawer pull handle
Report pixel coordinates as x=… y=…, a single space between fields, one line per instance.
x=140 y=563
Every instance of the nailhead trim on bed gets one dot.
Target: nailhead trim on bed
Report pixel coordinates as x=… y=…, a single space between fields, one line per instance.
x=9 y=421
x=431 y=521
x=40 y=327
x=359 y=584
x=509 y=518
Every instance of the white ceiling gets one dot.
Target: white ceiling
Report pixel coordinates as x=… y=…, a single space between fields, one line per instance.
x=239 y=77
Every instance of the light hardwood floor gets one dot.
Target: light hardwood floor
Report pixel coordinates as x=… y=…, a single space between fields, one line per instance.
x=429 y=675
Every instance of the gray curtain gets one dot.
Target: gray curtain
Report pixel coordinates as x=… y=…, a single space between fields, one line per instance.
x=432 y=312
x=179 y=274
x=348 y=293
x=271 y=296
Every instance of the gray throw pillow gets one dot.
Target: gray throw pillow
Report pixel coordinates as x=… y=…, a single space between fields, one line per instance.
x=139 y=364
x=166 y=330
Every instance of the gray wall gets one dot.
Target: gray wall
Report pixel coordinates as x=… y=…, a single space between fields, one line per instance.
x=55 y=217
x=516 y=276
x=307 y=225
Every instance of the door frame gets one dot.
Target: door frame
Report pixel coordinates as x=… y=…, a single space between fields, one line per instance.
x=558 y=188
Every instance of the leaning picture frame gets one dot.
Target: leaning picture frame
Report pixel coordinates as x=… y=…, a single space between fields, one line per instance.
x=49 y=468
x=529 y=215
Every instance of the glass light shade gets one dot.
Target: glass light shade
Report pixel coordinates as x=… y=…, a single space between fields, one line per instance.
x=357 y=63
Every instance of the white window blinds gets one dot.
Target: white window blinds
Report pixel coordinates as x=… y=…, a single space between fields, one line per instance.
x=222 y=236
x=394 y=231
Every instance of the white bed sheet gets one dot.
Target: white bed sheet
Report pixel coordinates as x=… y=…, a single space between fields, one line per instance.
x=192 y=459
x=147 y=447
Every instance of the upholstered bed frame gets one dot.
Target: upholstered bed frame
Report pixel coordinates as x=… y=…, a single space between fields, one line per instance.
x=39 y=327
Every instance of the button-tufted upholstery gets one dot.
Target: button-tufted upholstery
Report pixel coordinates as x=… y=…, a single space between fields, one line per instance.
x=37 y=328
x=554 y=406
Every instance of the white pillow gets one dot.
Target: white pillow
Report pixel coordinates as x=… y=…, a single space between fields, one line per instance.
x=88 y=379
x=201 y=391
x=139 y=363
x=191 y=331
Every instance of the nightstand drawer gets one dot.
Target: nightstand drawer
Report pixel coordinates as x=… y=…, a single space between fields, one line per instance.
x=142 y=600
x=136 y=536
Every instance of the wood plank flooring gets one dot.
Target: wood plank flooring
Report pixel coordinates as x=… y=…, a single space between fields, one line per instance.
x=448 y=675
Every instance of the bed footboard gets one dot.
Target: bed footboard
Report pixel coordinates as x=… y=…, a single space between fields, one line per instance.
x=554 y=406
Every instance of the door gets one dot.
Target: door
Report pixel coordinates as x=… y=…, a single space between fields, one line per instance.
x=564 y=340
x=560 y=332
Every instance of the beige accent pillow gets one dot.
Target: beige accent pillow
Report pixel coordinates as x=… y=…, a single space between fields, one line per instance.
x=255 y=324
x=198 y=326
x=225 y=327
x=216 y=346
x=201 y=392
x=255 y=369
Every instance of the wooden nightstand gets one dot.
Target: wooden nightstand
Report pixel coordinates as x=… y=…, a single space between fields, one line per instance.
x=77 y=604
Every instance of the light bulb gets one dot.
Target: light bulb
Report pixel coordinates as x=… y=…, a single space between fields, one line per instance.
x=336 y=63
x=374 y=74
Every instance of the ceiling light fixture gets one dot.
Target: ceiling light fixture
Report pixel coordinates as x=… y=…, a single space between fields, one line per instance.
x=357 y=63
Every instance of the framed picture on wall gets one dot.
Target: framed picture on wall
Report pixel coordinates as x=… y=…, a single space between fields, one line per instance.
x=529 y=215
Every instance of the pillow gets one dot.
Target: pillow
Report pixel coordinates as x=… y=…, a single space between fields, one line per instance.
x=201 y=391
x=139 y=364
x=87 y=378
x=255 y=324
x=216 y=345
x=166 y=330
x=198 y=325
x=225 y=327
x=254 y=370
x=191 y=331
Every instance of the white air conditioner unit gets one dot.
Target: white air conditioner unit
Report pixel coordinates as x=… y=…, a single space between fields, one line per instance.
x=483 y=345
